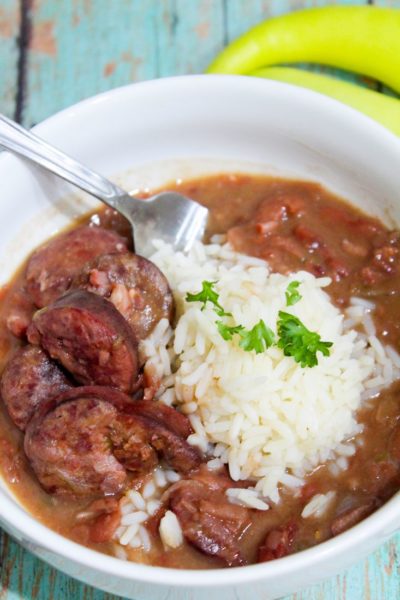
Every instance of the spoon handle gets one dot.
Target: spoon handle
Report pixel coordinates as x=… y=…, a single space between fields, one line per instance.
x=19 y=140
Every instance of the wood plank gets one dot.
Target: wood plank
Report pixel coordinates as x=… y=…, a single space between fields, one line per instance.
x=376 y=578
x=75 y=51
x=22 y=576
x=189 y=35
x=9 y=30
x=81 y=48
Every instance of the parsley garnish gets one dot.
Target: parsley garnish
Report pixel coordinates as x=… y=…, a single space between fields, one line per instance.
x=292 y=294
x=208 y=294
x=227 y=331
x=293 y=337
x=299 y=342
x=258 y=339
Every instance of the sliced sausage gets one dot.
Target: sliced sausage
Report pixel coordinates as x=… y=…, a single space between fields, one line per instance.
x=142 y=431
x=90 y=338
x=52 y=266
x=164 y=415
x=135 y=286
x=278 y=542
x=209 y=522
x=173 y=449
x=69 y=448
x=29 y=379
x=131 y=445
x=84 y=441
x=114 y=396
x=167 y=430
x=218 y=479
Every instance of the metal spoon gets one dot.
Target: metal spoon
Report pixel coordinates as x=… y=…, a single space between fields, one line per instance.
x=168 y=216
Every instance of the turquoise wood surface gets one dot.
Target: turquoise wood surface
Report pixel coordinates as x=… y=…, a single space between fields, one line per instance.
x=56 y=52
x=9 y=29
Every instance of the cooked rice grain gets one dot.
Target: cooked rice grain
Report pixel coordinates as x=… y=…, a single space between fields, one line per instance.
x=318 y=505
x=170 y=531
x=138 y=506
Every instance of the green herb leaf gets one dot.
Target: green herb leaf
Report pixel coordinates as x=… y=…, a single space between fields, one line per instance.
x=258 y=339
x=292 y=294
x=208 y=294
x=227 y=331
x=220 y=312
x=299 y=342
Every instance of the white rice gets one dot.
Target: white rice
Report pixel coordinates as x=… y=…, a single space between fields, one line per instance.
x=170 y=531
x=318 y=505
x=138 y=506
x=264 y=415
x=246 y=497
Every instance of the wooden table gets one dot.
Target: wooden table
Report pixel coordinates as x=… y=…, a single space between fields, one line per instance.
x=54 y=53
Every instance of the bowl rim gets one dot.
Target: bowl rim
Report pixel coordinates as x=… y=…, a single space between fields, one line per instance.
x=38 y=533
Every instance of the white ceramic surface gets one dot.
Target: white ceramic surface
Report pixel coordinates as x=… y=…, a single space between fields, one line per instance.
x=151 y=133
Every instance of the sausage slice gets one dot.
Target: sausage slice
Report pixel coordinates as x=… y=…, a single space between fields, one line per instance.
x=165 y=437
x=67 y=444
x=84 y=441
x=135 y=286
x=165 y=415
x=209 y=521
x=52 y=266
x=90 y=338
x=29 y=379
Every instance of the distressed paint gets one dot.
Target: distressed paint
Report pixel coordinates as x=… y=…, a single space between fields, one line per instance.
x=84 y=47
x=9 y=26
x=79 y=48
x=189 y=38
x=91 y=47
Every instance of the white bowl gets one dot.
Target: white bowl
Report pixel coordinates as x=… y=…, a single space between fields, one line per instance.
x=147 y=134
